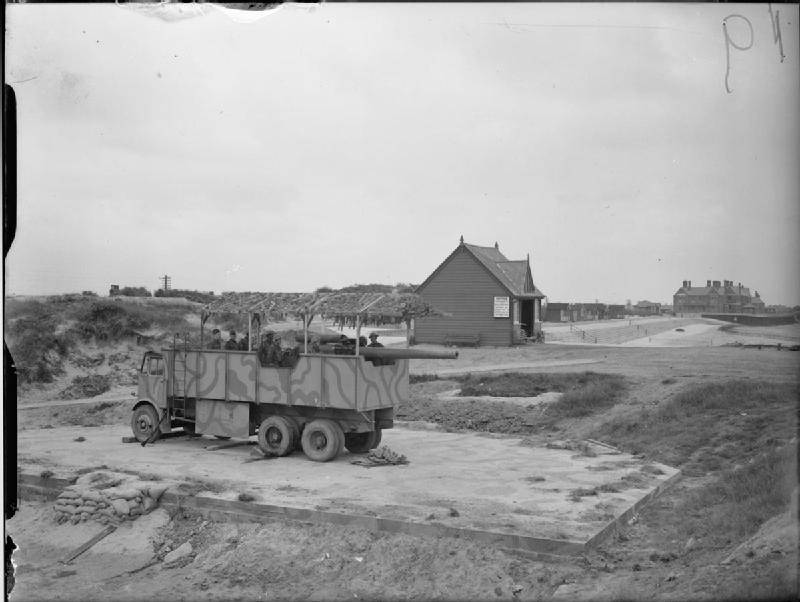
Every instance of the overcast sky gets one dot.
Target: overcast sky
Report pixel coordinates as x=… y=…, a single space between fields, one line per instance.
x=356 y=143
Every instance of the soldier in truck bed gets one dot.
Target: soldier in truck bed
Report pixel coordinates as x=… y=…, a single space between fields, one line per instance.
x=216 y=340
x=231 y=344
x=269 y=353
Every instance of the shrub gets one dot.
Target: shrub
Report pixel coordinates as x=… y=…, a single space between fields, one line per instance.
x=104 y=320
x=37 y=350
x=86 y=386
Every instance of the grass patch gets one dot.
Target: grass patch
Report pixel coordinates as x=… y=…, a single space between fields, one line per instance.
x=517 y=384
x=88 y=469
x=576 y=494
x=421 y=378
x=584 y=393
x=103 y=405
x=87 y=386
x=736 y=504
x=709 y=427
x=193 y=486
x=631 y=480
x=245 y=497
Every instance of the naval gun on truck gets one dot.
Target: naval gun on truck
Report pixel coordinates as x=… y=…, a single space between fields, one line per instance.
x=323 y=403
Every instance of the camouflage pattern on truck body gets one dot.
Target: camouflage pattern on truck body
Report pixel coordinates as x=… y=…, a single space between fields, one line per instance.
x=322 y=381
x=214 y=417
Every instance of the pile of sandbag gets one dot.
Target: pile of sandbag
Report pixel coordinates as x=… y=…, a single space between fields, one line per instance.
x=382 y=456
x=108 y=505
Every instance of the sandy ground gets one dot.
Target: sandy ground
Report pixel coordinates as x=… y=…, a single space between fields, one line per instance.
x=701 y=335
x=601 y=324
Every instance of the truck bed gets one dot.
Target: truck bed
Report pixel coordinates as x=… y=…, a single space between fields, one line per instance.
x=318 y=380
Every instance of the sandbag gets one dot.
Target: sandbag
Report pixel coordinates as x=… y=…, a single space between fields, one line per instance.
x=120 y=506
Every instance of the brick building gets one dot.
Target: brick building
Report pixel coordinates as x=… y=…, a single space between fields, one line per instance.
x=714 y=297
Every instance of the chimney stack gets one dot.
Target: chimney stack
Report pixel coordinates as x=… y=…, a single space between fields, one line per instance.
x=716 y=284
x=685 y=284
x=496 y=246
x=708 y=283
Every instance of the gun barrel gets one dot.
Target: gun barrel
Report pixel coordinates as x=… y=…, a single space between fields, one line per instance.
x=392 y=353
x=323 y=338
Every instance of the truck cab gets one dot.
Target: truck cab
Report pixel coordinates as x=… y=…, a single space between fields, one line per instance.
x=153 y=380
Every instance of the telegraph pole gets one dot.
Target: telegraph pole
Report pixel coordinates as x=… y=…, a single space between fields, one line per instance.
x=167 y=280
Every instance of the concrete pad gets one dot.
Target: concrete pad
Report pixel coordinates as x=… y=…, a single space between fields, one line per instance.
x=459 y=480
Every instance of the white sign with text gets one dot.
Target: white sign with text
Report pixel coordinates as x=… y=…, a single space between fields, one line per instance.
x=501 y=306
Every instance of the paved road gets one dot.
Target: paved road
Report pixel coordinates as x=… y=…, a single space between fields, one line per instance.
x=518 y=366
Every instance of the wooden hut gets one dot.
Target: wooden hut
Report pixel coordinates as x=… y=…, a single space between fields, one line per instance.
x=487 y=298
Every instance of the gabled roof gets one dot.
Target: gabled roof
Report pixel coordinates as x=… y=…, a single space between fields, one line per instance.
x=513 y=275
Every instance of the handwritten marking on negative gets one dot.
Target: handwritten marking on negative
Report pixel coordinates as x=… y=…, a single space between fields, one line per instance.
x=730 y=43
x=775 y=20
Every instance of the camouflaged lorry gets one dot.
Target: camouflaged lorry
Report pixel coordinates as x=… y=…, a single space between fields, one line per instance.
x=323 y=403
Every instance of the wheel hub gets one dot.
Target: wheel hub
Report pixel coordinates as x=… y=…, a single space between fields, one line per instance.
x=274 y=436
x=319 y=440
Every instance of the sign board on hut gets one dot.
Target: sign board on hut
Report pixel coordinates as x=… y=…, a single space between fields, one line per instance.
x=501 y=305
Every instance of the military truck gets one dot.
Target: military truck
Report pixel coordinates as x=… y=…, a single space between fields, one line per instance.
x=323 y=403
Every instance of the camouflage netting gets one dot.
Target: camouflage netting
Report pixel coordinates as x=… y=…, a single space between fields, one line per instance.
x=373 y=308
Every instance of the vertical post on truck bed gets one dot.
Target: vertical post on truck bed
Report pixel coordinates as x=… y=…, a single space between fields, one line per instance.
x=227 y=355
x=249 y=331
x=305 y=334
x=358 y=331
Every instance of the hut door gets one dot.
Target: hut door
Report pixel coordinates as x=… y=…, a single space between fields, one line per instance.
x=526 y=317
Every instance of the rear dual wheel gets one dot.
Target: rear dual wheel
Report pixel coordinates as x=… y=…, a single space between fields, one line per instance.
x=278 y=435
x=322 y=440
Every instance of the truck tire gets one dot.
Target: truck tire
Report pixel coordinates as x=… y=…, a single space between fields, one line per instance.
x=322 y=440
x=144 y=421
x=277 y=436
x=361 y=443
x=295 y=433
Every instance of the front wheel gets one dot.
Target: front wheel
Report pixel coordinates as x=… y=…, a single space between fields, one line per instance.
x=144 y=423
x=322 y=440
